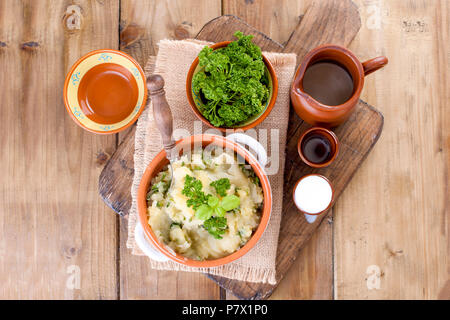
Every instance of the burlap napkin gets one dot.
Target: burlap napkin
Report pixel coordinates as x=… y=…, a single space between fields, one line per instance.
x=172 y=63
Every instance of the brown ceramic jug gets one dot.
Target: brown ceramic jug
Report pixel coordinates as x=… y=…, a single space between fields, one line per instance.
x=327 y=115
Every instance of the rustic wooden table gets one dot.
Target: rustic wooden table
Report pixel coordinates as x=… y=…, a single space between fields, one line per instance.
x=388 y=238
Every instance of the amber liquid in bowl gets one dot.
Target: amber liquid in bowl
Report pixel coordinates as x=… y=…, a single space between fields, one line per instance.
x=328 y=82
x=108 y=93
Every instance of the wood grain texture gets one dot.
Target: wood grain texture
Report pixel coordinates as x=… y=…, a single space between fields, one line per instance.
x=311 y=275
x=116 y=192
x=356 y=144
x=357 y=136
x=153 y=21
x=162 y=113
x=335 y=31
x=145 y=22
x=52 y=223
x=338 y=24
x=139 y=281
x=394 y=215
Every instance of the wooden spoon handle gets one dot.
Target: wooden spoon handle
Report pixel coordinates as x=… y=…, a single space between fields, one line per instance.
x=161 y=111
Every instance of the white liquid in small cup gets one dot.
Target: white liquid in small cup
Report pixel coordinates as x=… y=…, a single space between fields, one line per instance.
x=313 y=194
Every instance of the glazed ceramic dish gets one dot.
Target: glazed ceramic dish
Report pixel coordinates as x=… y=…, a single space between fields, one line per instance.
x=321 y=115
x=146 y=237
x=326 y=134
x=196 y=103
x=105 y=91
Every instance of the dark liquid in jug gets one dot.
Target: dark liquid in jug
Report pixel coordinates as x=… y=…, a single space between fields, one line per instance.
x=328 y=82
x=316 y=149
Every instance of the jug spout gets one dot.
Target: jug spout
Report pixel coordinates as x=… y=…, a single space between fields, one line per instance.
x=308 y=108
x=297 y=83
x=304 y=97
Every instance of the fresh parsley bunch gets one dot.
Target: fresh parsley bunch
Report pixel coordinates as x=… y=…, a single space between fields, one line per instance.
x=232 y=82
x=208 y=207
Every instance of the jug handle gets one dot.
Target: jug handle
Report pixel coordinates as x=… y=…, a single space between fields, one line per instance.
x=374 y=64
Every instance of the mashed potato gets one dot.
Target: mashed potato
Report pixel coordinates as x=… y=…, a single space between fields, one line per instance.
x=178 y=223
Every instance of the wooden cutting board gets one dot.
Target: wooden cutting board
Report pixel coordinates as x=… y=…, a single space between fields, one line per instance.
x=326 y=21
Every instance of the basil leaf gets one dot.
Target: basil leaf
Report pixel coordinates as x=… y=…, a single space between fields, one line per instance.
x=219 y=211
x=204 y=212
x=213 y=201
x=230 y=202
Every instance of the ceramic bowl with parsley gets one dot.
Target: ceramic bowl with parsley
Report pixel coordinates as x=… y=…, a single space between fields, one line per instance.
x=232 y=85
x=217 y=209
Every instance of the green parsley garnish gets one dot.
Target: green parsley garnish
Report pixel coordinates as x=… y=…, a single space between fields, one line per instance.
x=221 y=186
x=160 y=186
x=216 y=226
x=175 y=224
x=193 y=190
x=209 y=208
x=232 y=81
x=250 y=174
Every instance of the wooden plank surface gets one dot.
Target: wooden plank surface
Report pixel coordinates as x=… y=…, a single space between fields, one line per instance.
x=275 y=18
x=392 y=222
x=53 y=226
x=311 y=275
x=394 y=213
x=336 y=31
x=143 y=24
x=365 y=125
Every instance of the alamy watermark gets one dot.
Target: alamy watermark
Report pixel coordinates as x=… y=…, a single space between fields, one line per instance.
x=74 y=277
x=373 y=21
x=373 y=280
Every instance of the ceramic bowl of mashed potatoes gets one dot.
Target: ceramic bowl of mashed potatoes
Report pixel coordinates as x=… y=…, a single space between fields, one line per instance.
x=217 y=208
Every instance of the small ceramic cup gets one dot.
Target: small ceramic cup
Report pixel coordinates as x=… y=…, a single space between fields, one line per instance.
x=320 y=184
x=325 y=134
